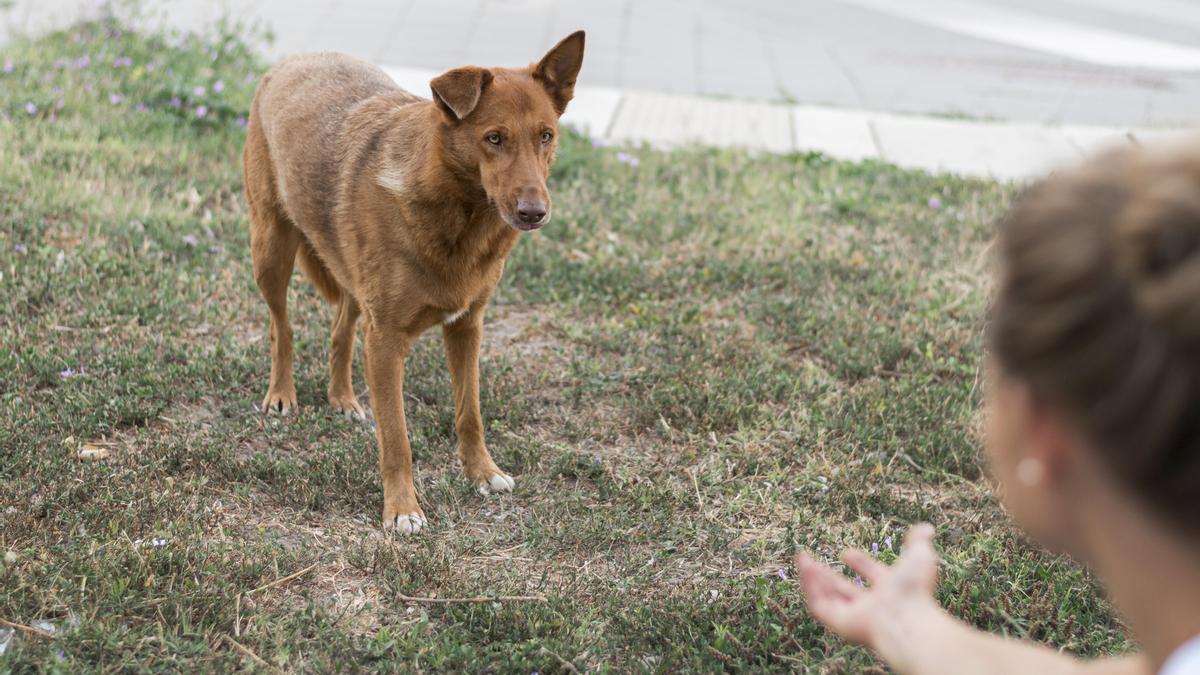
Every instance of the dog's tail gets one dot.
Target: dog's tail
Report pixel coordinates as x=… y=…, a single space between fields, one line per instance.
x=317 y=273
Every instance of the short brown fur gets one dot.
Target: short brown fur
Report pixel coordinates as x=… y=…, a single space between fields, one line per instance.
x=400 y=210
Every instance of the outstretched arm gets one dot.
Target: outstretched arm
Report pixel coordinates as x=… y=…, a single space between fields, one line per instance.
x=898 y=618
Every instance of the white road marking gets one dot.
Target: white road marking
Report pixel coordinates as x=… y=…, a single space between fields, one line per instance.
x=1173 y=12
x=1090 y=44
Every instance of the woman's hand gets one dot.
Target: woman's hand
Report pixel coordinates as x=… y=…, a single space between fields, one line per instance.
x=858 y=614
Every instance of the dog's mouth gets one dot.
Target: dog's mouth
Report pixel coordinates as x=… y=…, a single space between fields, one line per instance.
x=529 y=227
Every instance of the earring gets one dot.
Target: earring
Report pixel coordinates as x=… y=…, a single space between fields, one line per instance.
x=1030 y=472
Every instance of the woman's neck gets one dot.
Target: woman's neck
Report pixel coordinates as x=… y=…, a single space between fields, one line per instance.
x=1151 y=573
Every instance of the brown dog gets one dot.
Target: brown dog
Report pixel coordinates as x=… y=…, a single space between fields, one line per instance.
x=403 y=210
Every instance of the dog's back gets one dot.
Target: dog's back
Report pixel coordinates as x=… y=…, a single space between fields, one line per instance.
x=299 y=109
x=296 y=142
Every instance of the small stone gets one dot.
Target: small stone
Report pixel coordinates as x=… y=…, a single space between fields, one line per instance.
x=92 y=453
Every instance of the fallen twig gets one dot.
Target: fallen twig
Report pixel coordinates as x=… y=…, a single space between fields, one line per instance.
x=461 y=601
x=28 y=629
x=246 y=651
x=283 y=580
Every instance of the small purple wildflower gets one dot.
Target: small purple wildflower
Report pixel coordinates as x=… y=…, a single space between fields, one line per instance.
x=141 y=107
x=31 y=108
x=116 y=99
x=20 y=248
x=858 y=581
x=888 y=542
x=241 y=121
x=150 y=67
x=9 y=66
x=199 y=91
x=874 y=548
x=935 y=203
x=248 y=78
x=122 y=62
x=201 y=111
x=82 y=62
x=71 y=372
x=61 y=63
x=218 y=86
x=628 y=159
x=175 y=102
x=190 y=239
x=782 y=574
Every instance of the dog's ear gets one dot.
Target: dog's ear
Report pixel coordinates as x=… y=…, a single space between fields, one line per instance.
x=558 y=69
x=458 y=91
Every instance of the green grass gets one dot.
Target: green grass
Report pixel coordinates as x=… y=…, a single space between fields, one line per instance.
x=702 y=364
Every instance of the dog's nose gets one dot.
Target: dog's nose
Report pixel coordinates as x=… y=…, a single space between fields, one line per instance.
x=531 y=212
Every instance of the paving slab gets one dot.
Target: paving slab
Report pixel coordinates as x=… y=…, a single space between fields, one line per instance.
x=1001 y=151
x=842 y=134
x=669 y=120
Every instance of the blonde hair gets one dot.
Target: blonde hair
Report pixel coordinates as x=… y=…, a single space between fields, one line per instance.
x=1097 y=309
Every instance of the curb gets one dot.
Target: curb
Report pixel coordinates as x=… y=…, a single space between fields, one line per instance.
x=996 y=150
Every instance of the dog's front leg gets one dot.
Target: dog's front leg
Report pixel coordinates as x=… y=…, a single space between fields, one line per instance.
x=385 y=354
x=462 y=352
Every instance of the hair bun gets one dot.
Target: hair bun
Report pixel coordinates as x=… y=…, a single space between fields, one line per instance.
x=1157 y=247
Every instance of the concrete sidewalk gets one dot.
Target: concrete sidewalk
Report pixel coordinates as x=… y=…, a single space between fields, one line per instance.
x=879 y=79
x=999 y=150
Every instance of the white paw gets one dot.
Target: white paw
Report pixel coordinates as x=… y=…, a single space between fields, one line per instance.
x=405 y=523
x=499 y=483
x=352 y=412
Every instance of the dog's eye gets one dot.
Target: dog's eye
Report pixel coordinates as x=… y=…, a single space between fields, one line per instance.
x=493 y=138
x=547 y=136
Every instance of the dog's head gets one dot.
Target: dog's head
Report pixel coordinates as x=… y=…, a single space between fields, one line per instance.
x=500 y=126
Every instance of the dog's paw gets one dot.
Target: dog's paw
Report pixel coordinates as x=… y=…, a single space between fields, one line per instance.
x=405 y=523
x=348 y=406
x=280 y=403
x=500 y=482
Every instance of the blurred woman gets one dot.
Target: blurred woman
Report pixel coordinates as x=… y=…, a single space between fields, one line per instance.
x=1093 y=430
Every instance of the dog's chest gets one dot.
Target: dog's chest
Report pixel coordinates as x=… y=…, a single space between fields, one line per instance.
x=453 y=317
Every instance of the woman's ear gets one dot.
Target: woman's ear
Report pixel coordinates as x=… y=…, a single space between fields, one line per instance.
x=1051 y=441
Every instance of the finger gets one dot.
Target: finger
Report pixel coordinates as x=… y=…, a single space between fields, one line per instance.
x=918 y=545
x=920 y=534
x=820 y=579
x=919 y=561
x=870 y=569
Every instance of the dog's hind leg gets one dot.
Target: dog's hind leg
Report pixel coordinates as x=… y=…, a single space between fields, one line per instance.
x=341 y=356
x=273 y=243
